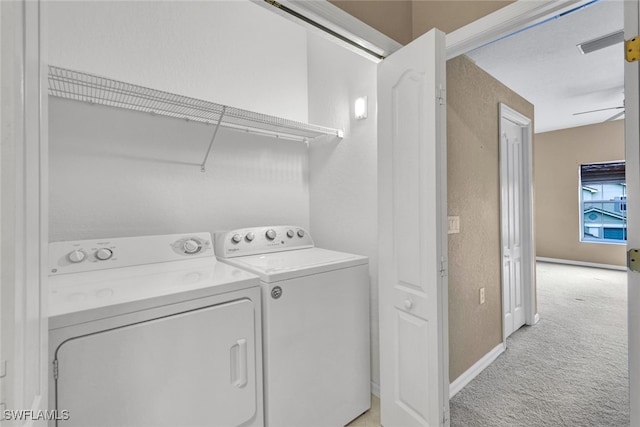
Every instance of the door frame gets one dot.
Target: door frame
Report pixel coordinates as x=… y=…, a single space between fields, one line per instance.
x=503 y=22
x=24 y=208
x=522 y=14
x=528 y=247
x=632 y=158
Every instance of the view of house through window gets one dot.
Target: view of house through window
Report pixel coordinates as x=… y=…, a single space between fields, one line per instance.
x=603 y=199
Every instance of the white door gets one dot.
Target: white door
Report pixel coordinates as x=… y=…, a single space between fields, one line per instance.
x=512 y=210
x=414 y=377
x=632 y=142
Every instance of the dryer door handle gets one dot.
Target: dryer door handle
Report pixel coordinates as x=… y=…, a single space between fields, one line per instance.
x=239 y=363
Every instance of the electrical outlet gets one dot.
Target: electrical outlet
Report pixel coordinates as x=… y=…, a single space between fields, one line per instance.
x=481 y=295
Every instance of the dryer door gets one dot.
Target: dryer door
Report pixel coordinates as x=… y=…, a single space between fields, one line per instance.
x=190 y=369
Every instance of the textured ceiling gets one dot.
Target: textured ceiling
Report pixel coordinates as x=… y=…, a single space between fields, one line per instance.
x=543 y=65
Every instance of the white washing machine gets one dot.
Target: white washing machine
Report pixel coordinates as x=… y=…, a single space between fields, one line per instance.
x=315 y=302
x=153 y=331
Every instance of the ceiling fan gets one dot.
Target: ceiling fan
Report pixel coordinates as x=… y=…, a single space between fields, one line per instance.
x=597 y=44
x=615 y=116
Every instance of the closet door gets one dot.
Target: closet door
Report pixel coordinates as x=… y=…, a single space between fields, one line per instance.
x=412 y=230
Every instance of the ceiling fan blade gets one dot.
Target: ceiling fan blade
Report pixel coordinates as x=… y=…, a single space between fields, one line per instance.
x=615 y=116
x=595 y=111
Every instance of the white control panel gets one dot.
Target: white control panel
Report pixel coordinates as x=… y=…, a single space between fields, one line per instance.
x=99 y=254
x=261 y=240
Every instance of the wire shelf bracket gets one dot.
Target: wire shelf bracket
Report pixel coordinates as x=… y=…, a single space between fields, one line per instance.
x=213 y=138
x=79 y=86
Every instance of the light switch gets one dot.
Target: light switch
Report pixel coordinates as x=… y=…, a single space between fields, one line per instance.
x=454 y=224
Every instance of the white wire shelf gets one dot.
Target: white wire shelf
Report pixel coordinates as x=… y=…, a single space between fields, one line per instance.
x=79 y=86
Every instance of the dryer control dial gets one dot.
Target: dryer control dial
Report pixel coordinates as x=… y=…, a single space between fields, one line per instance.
x=76 y=256
x=250 y=236
x=290 y=233
x=191 y=246
x=301 y=233
x=104 y=254
x=271 y=234
x=236 y=238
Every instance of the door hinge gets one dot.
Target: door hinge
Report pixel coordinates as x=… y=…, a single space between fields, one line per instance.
x=442 y=95
x=443 y=268
x=632 y=49
x=55 y=369
x=445 y=417
x=633 y=260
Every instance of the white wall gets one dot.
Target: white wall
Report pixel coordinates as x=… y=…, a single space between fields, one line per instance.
x=121 y=173
x=230 y=52
x=343 y=178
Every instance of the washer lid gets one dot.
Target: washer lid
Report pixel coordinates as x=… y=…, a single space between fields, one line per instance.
x=276 y=266
x=80 y=297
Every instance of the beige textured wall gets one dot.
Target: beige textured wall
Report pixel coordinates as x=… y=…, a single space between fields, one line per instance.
x=405 y=20
x=474 y=195
x=449 y=15
x=391 y=17
x=557 y=157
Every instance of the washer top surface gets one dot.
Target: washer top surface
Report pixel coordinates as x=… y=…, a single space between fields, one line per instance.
x=101 y=292
x=276 y=266
x=279 y=253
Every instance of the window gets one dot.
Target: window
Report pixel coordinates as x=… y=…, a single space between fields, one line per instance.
x=603 y=202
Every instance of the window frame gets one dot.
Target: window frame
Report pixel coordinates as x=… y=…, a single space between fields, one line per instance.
x=581 y=186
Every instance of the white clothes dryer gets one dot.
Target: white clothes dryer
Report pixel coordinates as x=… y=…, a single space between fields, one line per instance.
x=316 y=348
x=152 y=331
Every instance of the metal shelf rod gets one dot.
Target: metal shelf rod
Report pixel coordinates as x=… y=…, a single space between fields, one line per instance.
x=215 y=132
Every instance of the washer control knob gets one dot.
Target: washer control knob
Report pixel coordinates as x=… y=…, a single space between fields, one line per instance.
x=190 y=246
x=104 y=254
x=271 y=234
x=76 y=256
x=250 y=236
x=290 y=234
x=300 y=233
x=236 y=238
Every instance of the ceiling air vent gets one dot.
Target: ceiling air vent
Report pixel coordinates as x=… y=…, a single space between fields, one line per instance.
x=601 y=42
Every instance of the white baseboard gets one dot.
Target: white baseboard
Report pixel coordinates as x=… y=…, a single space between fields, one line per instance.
x=375 y=389
x=475 y=370
x=582 y=263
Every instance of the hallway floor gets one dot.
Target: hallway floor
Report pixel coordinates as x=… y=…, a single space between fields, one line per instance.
x=569 y=370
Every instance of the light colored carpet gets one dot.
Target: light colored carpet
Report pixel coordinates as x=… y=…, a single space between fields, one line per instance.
x=568 y=370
